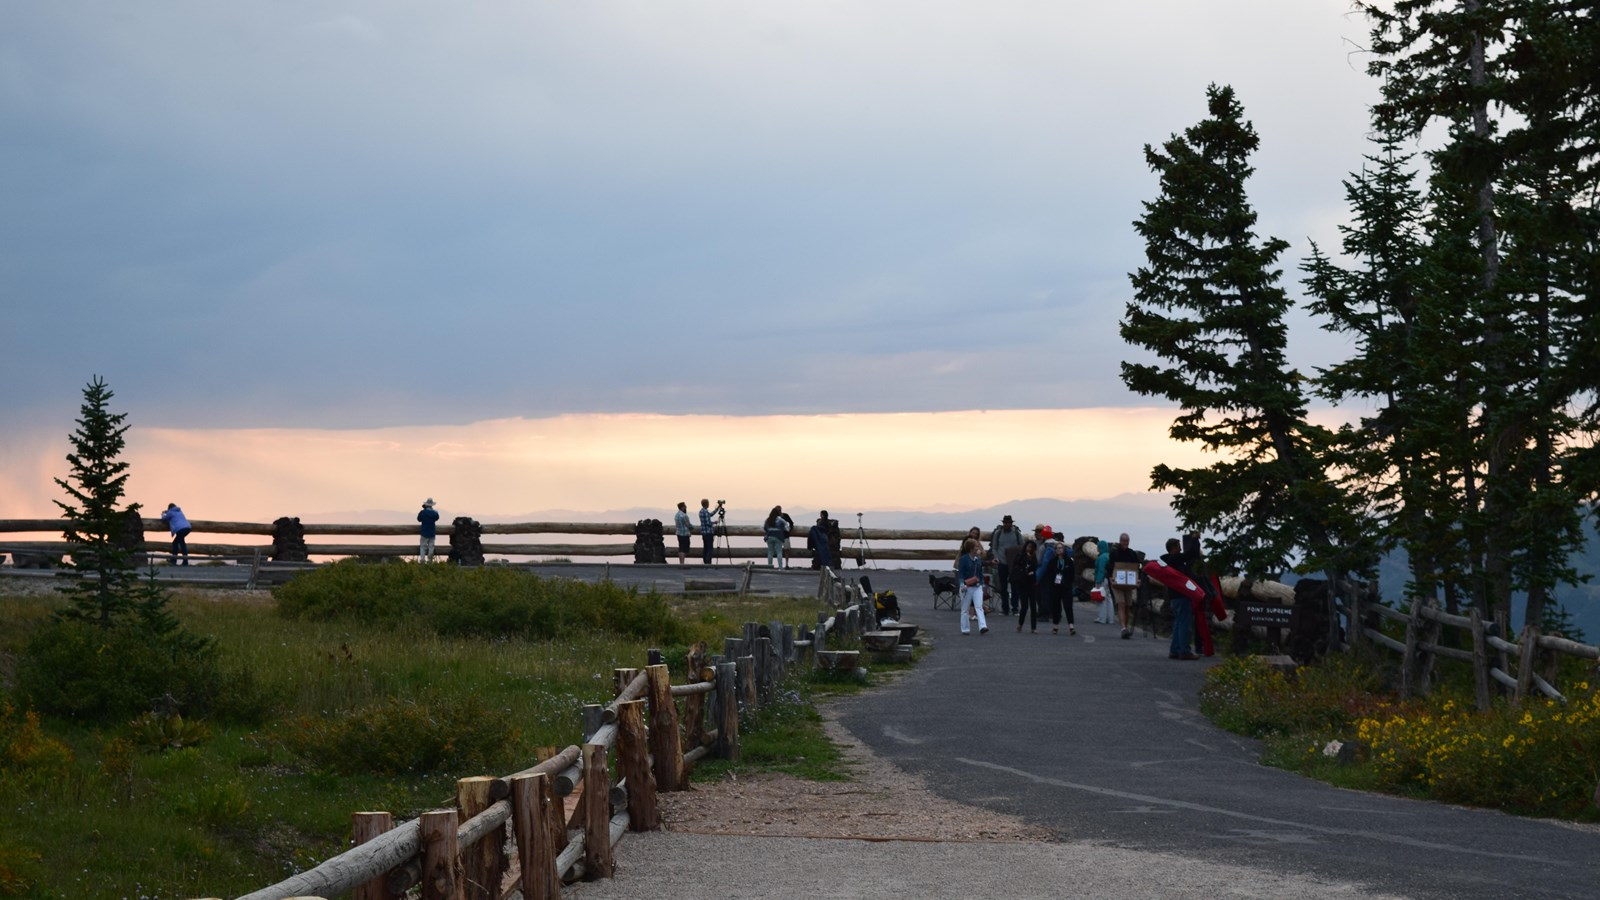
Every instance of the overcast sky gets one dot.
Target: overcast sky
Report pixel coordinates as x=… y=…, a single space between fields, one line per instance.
x=353 y=215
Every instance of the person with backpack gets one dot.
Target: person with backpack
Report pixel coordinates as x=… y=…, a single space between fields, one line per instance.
x=1005 y=544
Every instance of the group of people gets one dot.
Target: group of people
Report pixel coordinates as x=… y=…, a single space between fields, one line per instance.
x=775 y=530
x=1036 y=578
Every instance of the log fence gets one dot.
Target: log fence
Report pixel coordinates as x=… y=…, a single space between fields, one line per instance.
x=1537 y=656
x=559 y=820
x=201 y=545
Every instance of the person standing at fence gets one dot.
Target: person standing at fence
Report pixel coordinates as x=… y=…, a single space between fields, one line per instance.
x=970 y=570
x=427 y=530
x=1182 y=607
x=1124 y=582
x=775 y=529
x=708 y=530
x=820 y=543
x=680 y=524
x=1005 y=544
x=178 y=524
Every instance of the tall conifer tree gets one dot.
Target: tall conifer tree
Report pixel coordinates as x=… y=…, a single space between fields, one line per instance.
x=1208 y=306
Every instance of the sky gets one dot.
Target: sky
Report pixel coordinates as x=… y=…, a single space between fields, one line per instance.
x=535 y=255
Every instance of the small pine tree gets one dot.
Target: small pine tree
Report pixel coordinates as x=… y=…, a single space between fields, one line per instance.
x=107 y=581
x=118 y=647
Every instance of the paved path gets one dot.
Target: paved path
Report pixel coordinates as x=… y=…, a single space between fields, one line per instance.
x=1098 y=739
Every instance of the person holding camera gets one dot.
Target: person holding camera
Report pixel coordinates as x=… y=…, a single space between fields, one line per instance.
x=708 y=528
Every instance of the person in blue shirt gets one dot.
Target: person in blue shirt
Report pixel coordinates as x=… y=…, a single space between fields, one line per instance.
x=970 y=570
x=178 y=524
x=429 y=518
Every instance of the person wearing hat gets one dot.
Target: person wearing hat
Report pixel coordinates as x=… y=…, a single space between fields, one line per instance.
x=429 y=518
x=1005 y=544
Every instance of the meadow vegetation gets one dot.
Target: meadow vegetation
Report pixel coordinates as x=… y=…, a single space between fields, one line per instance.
x=1337 y=722
x=371 y=687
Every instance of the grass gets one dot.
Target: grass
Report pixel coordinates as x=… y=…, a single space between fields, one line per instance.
x=244 y=808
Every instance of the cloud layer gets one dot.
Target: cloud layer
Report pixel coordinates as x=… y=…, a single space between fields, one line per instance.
x=360 y=214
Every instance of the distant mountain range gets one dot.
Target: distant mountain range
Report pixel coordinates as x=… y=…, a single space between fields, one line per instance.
x=1146 y=517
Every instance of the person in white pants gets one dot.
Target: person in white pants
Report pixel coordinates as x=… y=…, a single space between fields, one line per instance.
x=970 y=571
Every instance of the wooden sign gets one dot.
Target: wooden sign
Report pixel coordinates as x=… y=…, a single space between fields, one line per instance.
x=1264 y=615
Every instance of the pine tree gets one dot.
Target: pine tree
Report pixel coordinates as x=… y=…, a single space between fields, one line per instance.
x=1208 y=305
x=105 y=591
x=1514 y=81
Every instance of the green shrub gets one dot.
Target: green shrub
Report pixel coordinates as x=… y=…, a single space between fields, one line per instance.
x=85 y=671
x=483 y=602
x=1245 y=695
x=433 y=734
x=220 y=804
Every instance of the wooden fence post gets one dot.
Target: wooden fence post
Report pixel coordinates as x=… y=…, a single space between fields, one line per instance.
x=1529 y=643
x=1480 y=660
x=483 y=863
x=746 y=667
x=633 y=763
x=620 y=679
x=1408 y=663
x=666 y=743
x=1502 y=629
x=532 y=805
x=728 y=704
x=597 y=861
x=593 y=717
x=1356 y=629
x=694 y=705
x=440 y=878
x=761 y=662
x=364 y=826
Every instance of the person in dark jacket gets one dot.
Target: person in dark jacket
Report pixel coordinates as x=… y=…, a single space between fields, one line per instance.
x=427 y=530
x=820 y=544
x=1182 y=607
x=1024 y=570
x=1058 y=582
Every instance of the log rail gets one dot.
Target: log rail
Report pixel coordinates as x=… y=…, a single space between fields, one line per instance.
x=201 y=545
x=1499 y=666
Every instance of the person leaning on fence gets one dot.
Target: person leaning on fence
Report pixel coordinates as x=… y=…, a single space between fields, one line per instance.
x=1005 y=543
x=427 y=530
x=1124 y=581
x=970 y=570
x=680 y=524
x=820 y=544
x=776 y=530
x=707 y=531
x=178 y=524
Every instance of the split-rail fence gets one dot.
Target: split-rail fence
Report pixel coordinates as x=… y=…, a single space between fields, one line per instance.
x=561 y=819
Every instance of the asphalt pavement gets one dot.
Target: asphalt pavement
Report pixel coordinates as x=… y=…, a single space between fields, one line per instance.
x=1099 y=740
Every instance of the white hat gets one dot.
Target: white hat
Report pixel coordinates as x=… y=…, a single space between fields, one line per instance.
x=428 y=502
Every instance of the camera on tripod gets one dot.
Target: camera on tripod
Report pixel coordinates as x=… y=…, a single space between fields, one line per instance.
x=721 y=510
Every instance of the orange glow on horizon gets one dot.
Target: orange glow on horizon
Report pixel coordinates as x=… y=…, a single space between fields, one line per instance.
x=504 y=467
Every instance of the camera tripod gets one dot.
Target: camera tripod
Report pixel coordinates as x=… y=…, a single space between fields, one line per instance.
x=721 y=529
x=862 y=550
